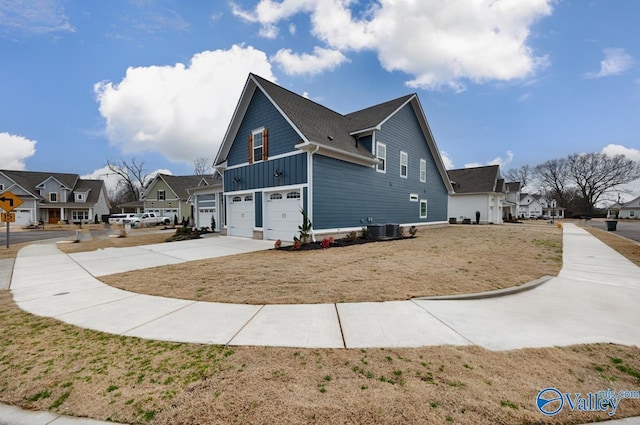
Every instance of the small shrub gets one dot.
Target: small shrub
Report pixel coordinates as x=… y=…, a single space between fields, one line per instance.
x=326 y=243
x=352 y=236
x=413 y=230
x=277 y=244
x=297 y=244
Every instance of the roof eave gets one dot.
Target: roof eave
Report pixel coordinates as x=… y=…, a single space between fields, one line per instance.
x=315 y=147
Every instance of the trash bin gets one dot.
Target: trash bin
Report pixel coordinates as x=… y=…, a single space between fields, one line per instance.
x=453 y=220
x=611 y=225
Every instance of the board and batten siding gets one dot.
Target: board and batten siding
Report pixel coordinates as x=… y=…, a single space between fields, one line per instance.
x=282 y=138
x=260 y=175
x=346 y=195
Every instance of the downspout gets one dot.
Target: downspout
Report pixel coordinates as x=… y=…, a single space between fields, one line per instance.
x=310 y=190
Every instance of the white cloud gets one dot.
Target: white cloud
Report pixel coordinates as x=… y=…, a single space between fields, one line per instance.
x=439 y=43
x=181 y=112
x=631 y=153
x=446 y=159
x=34 y=17
x=502 y=162
x=613 y=149
x=14 y=151
x=310 y=64
x=616 y=61
x=111 y=179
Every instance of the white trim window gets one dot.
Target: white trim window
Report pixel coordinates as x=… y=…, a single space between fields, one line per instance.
x=161 y=196
x=381 y=155
x=404 y=164
x=423 y=208
x=79 y=215
x=257 y=144
x=53 y=197
x=423 y=170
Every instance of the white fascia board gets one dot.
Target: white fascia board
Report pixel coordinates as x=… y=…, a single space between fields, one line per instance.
x=337 y=153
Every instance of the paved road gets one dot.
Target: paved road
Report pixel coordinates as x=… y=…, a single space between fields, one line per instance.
x=31 y=235
x=626 y=228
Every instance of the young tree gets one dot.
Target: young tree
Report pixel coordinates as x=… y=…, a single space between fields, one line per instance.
x=596 y=174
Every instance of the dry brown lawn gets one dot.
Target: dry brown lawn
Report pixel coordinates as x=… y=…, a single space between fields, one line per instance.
x=49 y=365
x=623 y=246
x=439 y=261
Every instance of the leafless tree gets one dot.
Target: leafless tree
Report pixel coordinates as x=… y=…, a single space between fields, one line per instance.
x=596 y=174
x=133 y=178
x=554 y=179
x=202 y=166
x=523 y=175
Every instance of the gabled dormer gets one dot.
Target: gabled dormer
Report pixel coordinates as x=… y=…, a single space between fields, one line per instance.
x=53 y=190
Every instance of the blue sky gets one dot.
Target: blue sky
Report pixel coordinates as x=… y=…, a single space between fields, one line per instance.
x=510 y=82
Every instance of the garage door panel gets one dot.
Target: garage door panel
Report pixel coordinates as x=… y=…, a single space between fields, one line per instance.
x=283 y=215
x=241 y=216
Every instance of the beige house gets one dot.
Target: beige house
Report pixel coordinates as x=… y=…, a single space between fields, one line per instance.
x=169 y=195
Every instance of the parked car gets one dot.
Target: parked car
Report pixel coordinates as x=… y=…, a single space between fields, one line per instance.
x=148 y=219
x=119 y=218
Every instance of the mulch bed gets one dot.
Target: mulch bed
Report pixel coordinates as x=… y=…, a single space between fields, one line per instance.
x=339 y=243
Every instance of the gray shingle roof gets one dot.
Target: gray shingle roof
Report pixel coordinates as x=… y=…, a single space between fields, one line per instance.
x=322 y=125
x=28 y=180
x=180 y=184
x=476 y=180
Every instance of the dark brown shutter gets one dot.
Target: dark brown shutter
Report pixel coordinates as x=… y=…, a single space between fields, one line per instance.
x=250 y=148
x=265 y=144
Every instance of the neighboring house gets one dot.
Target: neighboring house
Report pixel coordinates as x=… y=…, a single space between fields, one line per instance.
x=207 y=200
x=477 y=189
x=531 y=206
x=283 y=153
x=614 y=210
x=55 y=197
x=168 y=195
x=512 y=201
x=630 y=209
x=536 y=206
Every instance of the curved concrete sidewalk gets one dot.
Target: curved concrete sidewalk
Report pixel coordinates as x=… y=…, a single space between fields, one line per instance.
x=593 y=299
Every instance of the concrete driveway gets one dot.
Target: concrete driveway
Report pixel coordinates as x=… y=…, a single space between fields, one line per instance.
x=593 y=299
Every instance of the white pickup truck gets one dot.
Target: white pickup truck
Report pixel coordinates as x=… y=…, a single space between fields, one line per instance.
x=148 y=219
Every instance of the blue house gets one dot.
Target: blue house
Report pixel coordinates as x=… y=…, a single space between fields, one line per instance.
x=283 y=153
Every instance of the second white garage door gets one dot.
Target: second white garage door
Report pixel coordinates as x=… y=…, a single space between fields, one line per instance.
x=241 y=216
x=282 y=215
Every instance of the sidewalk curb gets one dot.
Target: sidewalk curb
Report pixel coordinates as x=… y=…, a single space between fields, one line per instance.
x=491 y=294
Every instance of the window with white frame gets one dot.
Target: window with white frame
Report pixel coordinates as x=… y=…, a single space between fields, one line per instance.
x=257 y=137
x=423 y=170
x=79 y=197
x=423 y=208
x=1 y=187
x=80 y=215
x=53 y=197
x=161 y=196
x=413 y=197
x=381 y=155
x=404 y=164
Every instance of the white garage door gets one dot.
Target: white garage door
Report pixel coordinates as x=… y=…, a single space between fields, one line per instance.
x=241 y=216
x=23 y=217
x=282 y=215
x=204 y=217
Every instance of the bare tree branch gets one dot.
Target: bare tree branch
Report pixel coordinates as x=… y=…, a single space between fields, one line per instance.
x=202 y=166
x=133 y=178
